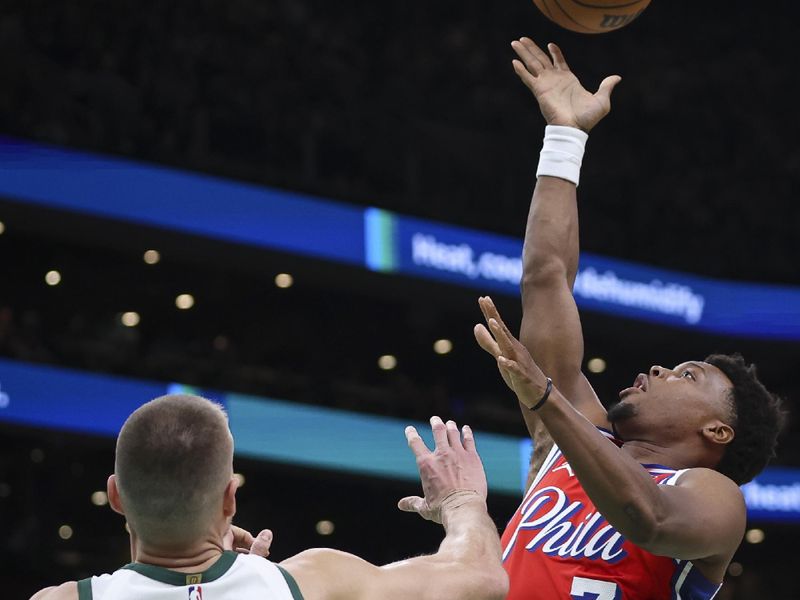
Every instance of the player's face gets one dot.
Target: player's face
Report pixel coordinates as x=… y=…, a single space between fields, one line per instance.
x=679 y=400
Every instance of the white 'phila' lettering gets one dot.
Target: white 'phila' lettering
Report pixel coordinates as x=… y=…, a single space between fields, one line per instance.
x=549 y=511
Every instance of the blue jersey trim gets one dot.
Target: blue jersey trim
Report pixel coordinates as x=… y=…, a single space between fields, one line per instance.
x=689 y=584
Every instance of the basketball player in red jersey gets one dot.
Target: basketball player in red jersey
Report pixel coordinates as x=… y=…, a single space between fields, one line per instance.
x=641 y=502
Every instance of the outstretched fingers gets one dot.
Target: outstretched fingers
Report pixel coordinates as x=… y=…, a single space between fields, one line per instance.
x=558 y=57
x=416 y=443
x=453 y=435
x=534 y=50
x=490 y=311
x=469 y=438
x=412 y=504
x=524 y=74
x=491 y=314
x=528 y=62
x=502 y=335
x=439 y=433
x=606 y=87
x=485 y=340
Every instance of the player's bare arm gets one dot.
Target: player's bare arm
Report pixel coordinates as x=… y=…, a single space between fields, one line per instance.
x=467 y=564
x=701 y=518
x=550 y=255
x=65 y=591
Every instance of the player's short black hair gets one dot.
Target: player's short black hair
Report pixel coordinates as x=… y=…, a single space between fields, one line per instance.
x=758 y=419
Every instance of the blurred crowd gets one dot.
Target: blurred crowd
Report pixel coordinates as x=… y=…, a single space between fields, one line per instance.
x=414 y=107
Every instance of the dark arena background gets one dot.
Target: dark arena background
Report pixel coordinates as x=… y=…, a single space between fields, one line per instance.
x=292 y=207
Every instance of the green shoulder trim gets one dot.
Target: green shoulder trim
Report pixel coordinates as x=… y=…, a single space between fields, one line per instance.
x=215 y=571
x=293 y=587
x=85 y=589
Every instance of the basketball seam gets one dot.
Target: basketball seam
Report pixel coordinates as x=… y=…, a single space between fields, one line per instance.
x=608 y=6
x=546 y=6
x=569 y=16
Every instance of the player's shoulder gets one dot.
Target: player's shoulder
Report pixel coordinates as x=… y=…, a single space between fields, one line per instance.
x=66 y=591
x=322 y=559
x=712 y=484
x=697 y=476
x=326 y=574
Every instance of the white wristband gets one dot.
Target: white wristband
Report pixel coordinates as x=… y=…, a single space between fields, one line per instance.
x=562 y=153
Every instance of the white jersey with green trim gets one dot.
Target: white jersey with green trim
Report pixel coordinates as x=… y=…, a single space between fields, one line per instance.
x=232 y=577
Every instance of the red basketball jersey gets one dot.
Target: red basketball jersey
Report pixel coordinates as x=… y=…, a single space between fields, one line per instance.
x=557 y=546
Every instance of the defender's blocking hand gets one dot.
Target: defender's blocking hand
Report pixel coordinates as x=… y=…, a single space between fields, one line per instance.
x=452 y=469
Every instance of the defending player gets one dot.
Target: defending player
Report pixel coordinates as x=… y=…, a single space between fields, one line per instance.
x=174 y=483
x=652 y=511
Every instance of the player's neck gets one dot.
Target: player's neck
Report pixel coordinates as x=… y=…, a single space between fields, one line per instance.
x=194 y=559
x=650 y=453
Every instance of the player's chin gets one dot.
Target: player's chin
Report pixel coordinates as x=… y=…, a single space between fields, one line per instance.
x=621 y=411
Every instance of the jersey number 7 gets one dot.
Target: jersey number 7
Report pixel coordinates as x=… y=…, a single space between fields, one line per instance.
x=594 y=589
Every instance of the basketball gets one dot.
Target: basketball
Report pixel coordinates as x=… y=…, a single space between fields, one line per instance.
x=591 y=16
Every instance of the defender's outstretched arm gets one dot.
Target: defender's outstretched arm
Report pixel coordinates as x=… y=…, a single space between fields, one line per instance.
x=467 y=565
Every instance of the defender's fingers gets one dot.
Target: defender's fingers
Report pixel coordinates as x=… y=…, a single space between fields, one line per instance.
x=453 y=435
x=412 y=504
x=469 y=438
x=439 y=433
x=241 y=537
x=415 y=442
x=485 y=340
x=558 y=57
x=262 y=543
x=537 y=52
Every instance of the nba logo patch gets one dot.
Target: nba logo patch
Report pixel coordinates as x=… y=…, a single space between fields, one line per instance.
x=195 y=592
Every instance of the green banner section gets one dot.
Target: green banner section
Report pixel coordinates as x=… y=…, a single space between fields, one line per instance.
x=380 y=240
x=336 y=439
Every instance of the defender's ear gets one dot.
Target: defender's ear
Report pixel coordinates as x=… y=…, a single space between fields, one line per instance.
x=718 y=433
x=114 y=500
x=229 y=499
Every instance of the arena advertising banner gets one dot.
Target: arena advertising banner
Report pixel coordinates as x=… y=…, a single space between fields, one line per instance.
x=279 y=431
x=774 y=495
x=487 y=262
x=378 y=240
x=180 y=201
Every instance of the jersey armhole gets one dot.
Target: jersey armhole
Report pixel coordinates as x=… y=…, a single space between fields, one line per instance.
x=290 y=581
x=555 y=453
x=85 y=589
x=673 y=479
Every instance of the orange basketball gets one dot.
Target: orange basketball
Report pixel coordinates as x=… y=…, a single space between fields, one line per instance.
x=591 y=16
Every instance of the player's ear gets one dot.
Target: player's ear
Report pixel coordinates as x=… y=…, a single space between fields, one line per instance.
x=229 y=499
x=114 y=500
x=718 y=432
